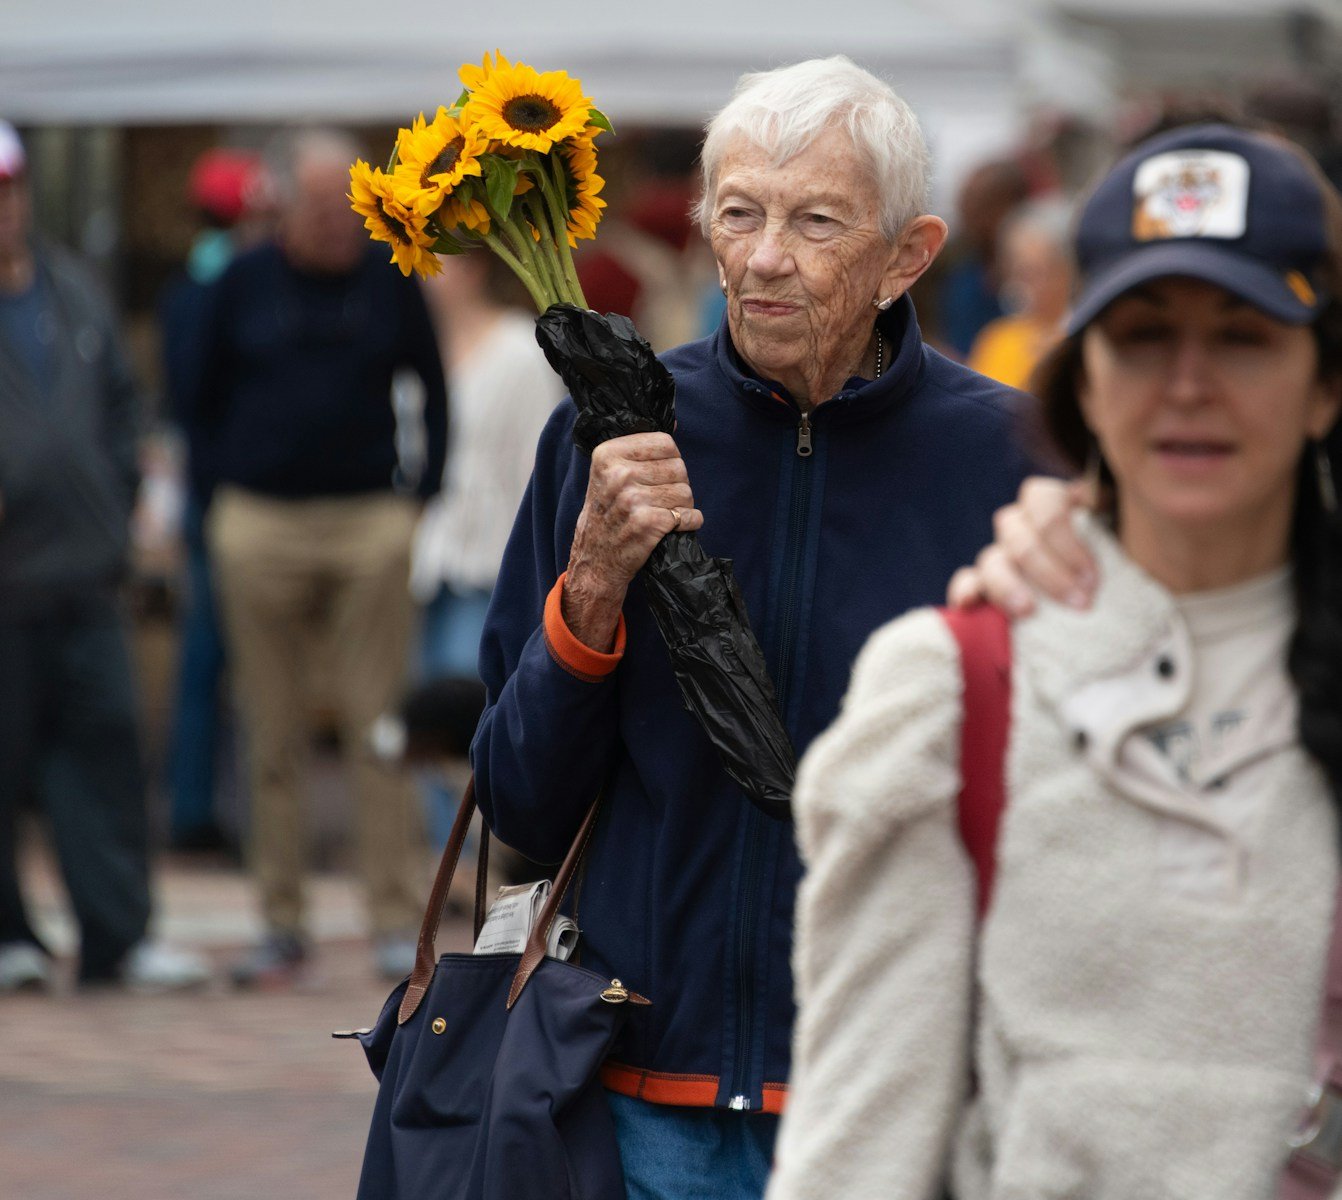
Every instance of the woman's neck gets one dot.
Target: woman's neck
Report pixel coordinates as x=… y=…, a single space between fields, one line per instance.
x=815 y=381
x=1187 y=557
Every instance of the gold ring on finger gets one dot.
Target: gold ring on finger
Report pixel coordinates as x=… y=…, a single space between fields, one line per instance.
x=675 y=518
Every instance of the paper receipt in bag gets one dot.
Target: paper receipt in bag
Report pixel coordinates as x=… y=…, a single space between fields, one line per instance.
x=510 y=918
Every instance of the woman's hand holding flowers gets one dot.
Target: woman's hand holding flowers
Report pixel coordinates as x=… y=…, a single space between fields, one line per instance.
x=637 y=489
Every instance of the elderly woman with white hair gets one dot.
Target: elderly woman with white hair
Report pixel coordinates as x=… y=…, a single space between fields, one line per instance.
x=847 y=470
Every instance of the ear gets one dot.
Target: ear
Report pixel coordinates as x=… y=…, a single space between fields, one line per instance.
x=918 y=243
x=1325 y=407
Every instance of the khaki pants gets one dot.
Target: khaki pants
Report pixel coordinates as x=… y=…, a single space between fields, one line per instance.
x=320 y=583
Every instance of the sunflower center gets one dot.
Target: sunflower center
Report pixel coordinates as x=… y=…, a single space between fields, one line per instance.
x=394 y=225
x=445 y=160
x=531 y=113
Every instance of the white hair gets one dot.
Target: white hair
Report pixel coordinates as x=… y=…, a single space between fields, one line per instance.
x=1051 y=217
x=785 y=110
x=290 y=148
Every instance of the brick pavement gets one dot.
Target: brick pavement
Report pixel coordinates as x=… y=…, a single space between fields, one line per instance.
x=211 y=1096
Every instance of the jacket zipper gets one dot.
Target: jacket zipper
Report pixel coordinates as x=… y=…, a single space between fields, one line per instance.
x=799 y=503
x=804 y=436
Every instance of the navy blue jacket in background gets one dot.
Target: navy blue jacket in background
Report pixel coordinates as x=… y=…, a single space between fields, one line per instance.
x=296 y=372
x=688 y=891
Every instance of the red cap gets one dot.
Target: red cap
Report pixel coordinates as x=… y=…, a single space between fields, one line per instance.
x=222 y=181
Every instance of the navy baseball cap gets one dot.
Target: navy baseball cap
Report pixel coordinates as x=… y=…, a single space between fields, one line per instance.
x=1237 y=209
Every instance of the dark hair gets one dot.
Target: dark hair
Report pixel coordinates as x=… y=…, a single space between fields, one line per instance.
x=1315 y=658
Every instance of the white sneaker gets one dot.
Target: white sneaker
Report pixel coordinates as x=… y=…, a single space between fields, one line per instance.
x=23 y=968
x=153 y=966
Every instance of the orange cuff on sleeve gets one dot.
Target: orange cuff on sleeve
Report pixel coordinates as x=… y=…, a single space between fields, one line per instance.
x=577 y=658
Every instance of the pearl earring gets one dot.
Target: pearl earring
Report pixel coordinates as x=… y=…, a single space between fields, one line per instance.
x=883 y=305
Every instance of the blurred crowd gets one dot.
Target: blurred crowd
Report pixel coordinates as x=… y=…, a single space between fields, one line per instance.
x=353 y=449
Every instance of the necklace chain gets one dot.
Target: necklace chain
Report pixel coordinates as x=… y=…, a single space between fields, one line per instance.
x=880 y=354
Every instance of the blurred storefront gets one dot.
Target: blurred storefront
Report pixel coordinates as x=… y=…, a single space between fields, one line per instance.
x=118 y=99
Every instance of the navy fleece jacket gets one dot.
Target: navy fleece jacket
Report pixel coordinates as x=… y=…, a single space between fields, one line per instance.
x=688 y=890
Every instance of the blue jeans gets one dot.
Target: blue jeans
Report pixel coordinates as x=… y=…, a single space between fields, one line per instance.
x=450 y=637
x=195 y=741
x=449 y=645
x=672 y=1153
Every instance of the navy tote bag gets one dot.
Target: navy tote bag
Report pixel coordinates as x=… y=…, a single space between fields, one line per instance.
x=487 y=1064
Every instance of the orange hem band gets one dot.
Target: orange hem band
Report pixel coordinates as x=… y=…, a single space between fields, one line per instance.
x=687 y=1091
x=574 y=656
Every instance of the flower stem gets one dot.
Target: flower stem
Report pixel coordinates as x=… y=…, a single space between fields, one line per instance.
x=556 y=195
x=523 y=248
x=522 y=219
x=528 y=278
x=545 y=253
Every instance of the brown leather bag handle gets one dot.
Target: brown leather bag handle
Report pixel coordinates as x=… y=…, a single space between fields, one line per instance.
x=426 y=954
x=540 y=931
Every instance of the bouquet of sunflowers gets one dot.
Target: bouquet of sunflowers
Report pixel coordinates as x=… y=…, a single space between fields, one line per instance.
x=511 y=166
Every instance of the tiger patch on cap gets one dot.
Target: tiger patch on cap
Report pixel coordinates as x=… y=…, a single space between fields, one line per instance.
x=1190 y=194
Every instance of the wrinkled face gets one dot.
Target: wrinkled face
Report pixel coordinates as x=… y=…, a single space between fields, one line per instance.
x=1202 y=404
x=801 y=252
x=319 y=227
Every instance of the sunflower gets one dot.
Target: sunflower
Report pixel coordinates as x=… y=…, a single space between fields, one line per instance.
x=584 y=203
x=467 y=214
x=388 y=220
x=520 y=107
x=432 y=158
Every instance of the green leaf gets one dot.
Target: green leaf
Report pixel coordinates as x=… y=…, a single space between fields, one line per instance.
x=395 y=157
x=500 y=183
x=596 y=117
x=461 y=100
x=446 y=244
x=448 y=241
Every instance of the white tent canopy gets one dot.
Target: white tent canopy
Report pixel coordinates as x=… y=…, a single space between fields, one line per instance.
x=962 y=64
x=971 y=68
x=165 y=61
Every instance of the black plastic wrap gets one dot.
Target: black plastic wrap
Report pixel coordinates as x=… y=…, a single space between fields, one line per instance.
x=611 y=373
x=620 y=388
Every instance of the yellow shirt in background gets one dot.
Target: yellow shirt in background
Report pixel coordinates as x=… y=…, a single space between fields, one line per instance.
x=1008 y=348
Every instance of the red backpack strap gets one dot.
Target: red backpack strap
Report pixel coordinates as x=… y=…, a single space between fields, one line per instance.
x=983 y=634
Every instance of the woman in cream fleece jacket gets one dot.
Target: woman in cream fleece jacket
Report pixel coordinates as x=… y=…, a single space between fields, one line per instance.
x=1134 y=1018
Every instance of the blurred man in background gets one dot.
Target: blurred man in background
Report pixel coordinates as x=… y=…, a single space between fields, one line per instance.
x=69 y=740
x=310 y=540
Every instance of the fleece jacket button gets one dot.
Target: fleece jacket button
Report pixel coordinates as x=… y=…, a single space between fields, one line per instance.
x=1165 y=667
